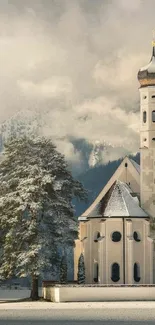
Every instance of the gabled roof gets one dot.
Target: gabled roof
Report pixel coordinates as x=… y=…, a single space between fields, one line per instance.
x=104 y=196
x=135 y=165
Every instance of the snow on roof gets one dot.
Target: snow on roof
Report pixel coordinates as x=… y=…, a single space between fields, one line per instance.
x=122 y=203
x=82 y=218
x=96 y=211
x=118 y=202
x=135 y=165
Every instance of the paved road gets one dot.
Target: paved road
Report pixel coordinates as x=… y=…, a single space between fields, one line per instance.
x=44 y=313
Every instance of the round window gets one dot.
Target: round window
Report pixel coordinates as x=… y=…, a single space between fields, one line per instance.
x=116 y=236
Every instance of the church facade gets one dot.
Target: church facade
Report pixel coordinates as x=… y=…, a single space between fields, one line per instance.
x=114 y=232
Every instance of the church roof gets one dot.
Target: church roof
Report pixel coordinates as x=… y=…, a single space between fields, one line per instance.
x=150 y=68
x=119 y=201
x=126 y=168
x=135 y=165
x=146 y=75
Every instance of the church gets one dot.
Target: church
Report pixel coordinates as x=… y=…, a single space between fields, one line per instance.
x=116 y=231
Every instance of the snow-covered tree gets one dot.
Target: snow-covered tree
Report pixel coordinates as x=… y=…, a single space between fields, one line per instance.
x=81 y=270
x=63 y=270
x=36 y=212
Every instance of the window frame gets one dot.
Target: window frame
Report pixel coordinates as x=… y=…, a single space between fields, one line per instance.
x=115 y=272
x=136 y=236
x=136 y=272
x=96 y=272
x=144 y=117
x=96 y=236
x=116 y=233
x=153 y=116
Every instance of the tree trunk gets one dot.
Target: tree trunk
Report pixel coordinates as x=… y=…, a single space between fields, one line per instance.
x=34 y=288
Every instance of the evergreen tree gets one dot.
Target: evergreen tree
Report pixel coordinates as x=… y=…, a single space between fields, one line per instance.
x=63 y=270
x=36 y=212
x=81 y=270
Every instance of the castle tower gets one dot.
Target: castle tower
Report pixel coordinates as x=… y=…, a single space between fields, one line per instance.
x=146 y=77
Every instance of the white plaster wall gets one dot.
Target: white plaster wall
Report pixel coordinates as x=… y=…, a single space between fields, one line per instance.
x=106 y=252
x=114 y=250
x=148 y=254
x=147 y=178
x=147 y=130
x=139 y=252
x=138 y=247
x=48 y=293
x=147 y=104
x=95 y=226
x=102 y=254
x=72 y=294
x=87 y=254
x=131 y=177
x=128 y=251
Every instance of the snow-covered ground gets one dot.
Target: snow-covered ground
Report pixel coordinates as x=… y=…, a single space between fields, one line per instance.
x=84 y=313
x=14 y=294
x=128 y=305
x=105 y=313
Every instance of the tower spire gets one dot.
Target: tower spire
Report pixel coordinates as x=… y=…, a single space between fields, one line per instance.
x=153 y=44
x=146 y=75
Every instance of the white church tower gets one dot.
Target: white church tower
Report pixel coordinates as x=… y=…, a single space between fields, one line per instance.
x=146 y=77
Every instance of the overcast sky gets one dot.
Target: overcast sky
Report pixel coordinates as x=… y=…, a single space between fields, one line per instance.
x=75 y=63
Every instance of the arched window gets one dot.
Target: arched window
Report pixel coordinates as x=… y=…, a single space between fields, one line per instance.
x=144 y=116
x=116 y=236
x=96 y=236
x=115 y=272
x=153 y=116
x=136 y=272
x=96 y=271
x=136 y=236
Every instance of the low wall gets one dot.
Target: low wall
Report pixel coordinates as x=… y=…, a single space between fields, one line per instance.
x=78 y=293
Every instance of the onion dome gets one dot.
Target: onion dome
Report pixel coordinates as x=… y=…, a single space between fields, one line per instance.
x=146 y=75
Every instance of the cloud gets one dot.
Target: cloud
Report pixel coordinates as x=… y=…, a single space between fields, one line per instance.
x=73 y=65
x=132 y=5
x=49 y=88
